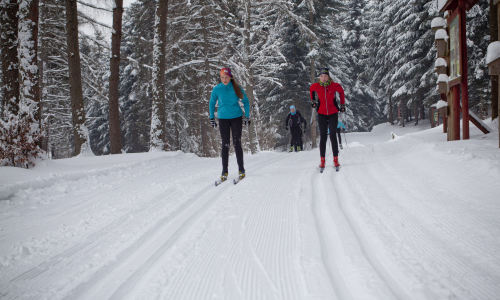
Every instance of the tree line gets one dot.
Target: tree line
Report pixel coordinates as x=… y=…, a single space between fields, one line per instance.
x=66 y=92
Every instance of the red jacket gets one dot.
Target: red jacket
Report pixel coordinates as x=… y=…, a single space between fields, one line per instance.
x=326 y=96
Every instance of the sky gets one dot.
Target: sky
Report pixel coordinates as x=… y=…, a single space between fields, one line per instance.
x=101 y=16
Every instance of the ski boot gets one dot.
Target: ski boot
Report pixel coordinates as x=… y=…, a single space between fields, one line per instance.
x=322 y=165
x=240 y=177
x=291 y=149
x=340 y=145
x=298 y=149
x=223 y=177
x=336 y=163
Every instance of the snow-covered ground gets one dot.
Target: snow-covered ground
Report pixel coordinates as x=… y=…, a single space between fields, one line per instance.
x=413 y=217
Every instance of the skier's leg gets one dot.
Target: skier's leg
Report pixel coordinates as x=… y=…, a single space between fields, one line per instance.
x=338 y=135
x=225 y=134
x=296 y=132
x=236 y=128
x=332 y=124
x=323 y=132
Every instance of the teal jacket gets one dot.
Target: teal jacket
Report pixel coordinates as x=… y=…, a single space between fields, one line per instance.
x=229 y=107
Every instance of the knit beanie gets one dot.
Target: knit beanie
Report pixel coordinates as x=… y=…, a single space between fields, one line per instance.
x=324 y=71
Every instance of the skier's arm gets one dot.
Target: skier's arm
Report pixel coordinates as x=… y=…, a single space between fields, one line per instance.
x=313 y=100
x=246 y=103
x=213 y=100
x=342 y=95
x=287 y=119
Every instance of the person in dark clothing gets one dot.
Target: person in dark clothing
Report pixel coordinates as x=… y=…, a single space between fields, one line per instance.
x=294 y=121
x=325 y=91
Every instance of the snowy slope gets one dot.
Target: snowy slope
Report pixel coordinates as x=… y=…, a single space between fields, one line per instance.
x=411 y=218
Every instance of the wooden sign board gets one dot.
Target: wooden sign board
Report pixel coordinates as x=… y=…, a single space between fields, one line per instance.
x=455 y=70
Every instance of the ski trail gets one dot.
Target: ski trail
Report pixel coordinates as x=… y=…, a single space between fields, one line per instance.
x=83 y=257
x=388 y=276
x=244 y=246
x=330 y=249
x=421 y=232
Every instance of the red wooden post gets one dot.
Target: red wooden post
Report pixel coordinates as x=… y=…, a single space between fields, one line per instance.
x=463 y=63
x=455 y=135
x=445 y=116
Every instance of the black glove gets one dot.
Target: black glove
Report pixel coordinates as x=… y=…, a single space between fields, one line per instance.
x=247 y=121
x=305 y=130
x=213 y=123
x=342 y=107
x=313 y=104
x=286 y=128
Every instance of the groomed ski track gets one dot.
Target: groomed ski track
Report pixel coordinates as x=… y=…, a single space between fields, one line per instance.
x=161 y=230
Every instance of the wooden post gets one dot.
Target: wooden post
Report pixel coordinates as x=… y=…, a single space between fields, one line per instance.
x=498 y=81
x=445 y=116
x=463 y=63
x=454 y=122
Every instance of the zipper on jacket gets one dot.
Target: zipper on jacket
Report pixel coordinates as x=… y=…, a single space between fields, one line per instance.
x=326 y=101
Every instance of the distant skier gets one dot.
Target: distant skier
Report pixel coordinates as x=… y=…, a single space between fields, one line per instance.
x=325 y=90
x=339 y=125
x=294 y=121
x=228 y=94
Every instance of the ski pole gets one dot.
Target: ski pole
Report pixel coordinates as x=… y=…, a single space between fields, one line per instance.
x=345 y=121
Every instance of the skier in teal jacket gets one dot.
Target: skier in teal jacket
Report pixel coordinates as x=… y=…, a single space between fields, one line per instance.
x=228 y=94
x=340 y=124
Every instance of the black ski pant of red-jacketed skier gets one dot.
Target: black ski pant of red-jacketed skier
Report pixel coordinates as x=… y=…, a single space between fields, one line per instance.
x=235 y=126
x=325 y=123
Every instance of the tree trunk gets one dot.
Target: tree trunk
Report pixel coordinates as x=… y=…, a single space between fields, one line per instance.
x=80 y=132
x=114 y=112
x=42 y=61
x=252 y=133
x=158 y=134
x=313 y=79
x=9 y=21
x=494 y=78
x=205 y=139
x=28 y=59
x=391 y=116
x=417 y=111
x=422 y=111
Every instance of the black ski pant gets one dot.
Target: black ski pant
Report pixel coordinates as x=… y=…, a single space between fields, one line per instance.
x=328 y=123
x=295 y=141
x=235 y=126
x=338 y=134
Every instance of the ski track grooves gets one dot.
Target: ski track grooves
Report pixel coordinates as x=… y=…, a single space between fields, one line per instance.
x=437 y=255
x=370 y=255
x=330 y=245
x=73 y=257
x=234 y=256
x=158 y=239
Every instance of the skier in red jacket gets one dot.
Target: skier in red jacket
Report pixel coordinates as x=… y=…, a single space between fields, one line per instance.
x=325 y=90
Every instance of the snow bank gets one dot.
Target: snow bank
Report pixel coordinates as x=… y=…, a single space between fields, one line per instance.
x=493 y=52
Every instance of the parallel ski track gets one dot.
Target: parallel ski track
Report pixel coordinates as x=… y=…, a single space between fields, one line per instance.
x=247 y=239
x=330 y=245
x=421 y=248
x=144 y=254
x=38 y=281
